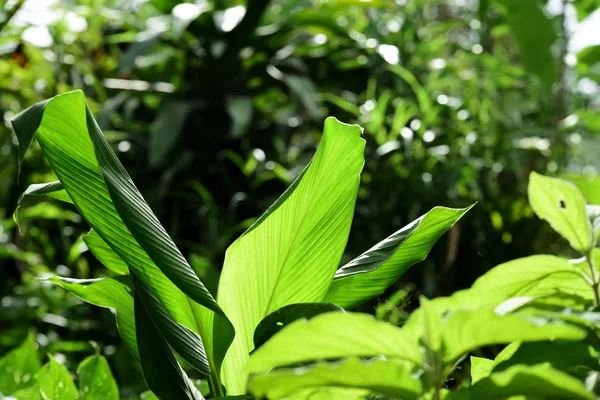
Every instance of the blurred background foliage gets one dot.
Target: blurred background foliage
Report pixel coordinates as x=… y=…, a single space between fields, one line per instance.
x=216 y=106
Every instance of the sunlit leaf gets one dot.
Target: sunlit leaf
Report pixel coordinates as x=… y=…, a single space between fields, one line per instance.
x=378 y=376
x=291 y=253
x=334 y=335
x=55 y=382
x=563 y=206
x=96 y=382
x=371 y=273
x=18 y=366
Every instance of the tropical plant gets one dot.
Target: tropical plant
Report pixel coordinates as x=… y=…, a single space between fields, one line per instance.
x=544 y=307
x=284 y=267
x=24 y=378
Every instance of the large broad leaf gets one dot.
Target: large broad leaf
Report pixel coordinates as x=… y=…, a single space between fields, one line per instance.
x=55 y=383
x=278 y=319
x=162 y=373
x=291 y=253
x=465 y=331
x=371 y=273
x=115 y=293
x=563 y=206
x=539 y=381
x=96 y=382
x=18 y=366
x=335 y=335
x=109 y=201
x=378 y=376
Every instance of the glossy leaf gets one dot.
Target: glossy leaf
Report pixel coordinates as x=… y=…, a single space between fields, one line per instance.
x=114 y=293
x=108 y=200
x=162 y=373
x=18 y=366
x=96 y=382
x=334 y=335
x=563 y=206
x=278 y=319
x=371 y=273
x=55 y=382
x=378 y=376
x=291 y=253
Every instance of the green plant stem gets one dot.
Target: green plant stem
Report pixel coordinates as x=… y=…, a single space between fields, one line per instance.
x=594 y=276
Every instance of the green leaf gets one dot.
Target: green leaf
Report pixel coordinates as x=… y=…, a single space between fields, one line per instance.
x=563 y=206
x=104 y=253
x=480 y=368
x=55 y=382
x=162 y=373
x=535 y=35
x=28 y=393
x=184 y=341
x=291 y=253
x=537 y=380
x=52 y=189
x=535 y=276
x=593 y=214
x=109 y=201
x=378 y=376
x=589 y=186
x=166 y=128
x=329 y=393
x=18 y=366
x=567 y=356
x=278 y=319
x=334 y=335
x=114 y=293
x=465 y=331
x=96 y=382
x=371 y=273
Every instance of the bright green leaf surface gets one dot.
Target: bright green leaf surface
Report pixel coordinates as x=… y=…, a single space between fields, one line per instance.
x=95 y=380
x=379 y=376
x=290 y=255
x=55 y=382
x=465 y=331
x=480 y=368
x=563 y=206
x=530 y=276
x=115 y=293
x=334 y=335
x=371 y=273
x=18 y=366
x=104 y=253
x=107 y=198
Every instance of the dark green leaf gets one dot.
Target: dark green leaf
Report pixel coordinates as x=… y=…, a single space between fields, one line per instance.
x=278 y=319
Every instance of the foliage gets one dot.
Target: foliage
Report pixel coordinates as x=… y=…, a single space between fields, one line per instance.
x=216 y=107
x=548 y=356
x=24 y=378
x=288 y=256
